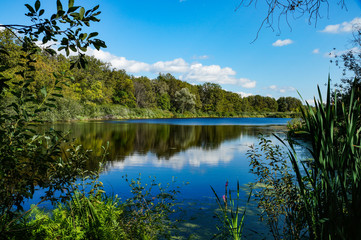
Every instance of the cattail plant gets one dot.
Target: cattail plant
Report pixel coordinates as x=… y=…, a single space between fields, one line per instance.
x=330 y=183
x=231 y=215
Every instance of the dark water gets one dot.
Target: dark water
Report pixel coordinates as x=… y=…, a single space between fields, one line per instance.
x=201 y=152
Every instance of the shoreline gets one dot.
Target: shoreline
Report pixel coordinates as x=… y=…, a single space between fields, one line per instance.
x=130 y=114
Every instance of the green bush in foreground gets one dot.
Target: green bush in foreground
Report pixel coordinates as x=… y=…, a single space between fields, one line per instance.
x=94 y=215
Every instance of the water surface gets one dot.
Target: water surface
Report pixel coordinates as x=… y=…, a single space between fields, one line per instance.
x=203 y=152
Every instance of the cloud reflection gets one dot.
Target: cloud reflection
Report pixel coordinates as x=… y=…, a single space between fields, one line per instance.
x=193 y=157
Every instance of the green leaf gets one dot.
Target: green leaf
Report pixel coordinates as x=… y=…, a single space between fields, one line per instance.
x=95 y=8
x=75 y=15
x=41 y=12
x=71 y=3
x=82 y=36
x=57 y=95
x=37 y=5
x=50 y=105
x=59 y=5
x=72 y=9
x=73 y=48
x=93 y=34
x=40 y=110
x=30 y=8
x=81 y=13
x=3 y=51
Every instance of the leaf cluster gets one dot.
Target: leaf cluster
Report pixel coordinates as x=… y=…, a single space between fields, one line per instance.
x=275 y=190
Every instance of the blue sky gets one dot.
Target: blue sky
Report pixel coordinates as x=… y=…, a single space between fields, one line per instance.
x=207 y=40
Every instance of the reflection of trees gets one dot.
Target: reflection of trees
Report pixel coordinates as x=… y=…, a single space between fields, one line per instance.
x=163 y=140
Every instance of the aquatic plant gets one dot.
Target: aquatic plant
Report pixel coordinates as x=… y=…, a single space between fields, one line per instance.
x=231 y=215
x=330 y=183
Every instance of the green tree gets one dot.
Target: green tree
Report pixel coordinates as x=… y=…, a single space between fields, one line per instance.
x=92 y=82
x=185 y=100
x=271 y=104
x=161 y=89
x=282 y=104
x=293 y=104
x=124 y=89
x=144 y=92
x=211 y=95
x=30 y=160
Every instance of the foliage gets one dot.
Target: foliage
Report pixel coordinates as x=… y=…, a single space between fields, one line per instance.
x=94 y=215
x=326 y=188
x=30 y=160
x=330 y=183
x=185 y=100
x=327 y=185
x=351 y=63
x=231 y=216
x=84 y=217
x=88 y=91
x=288 y=104
x=295 y=127
x=275 y=191
x=147 y=213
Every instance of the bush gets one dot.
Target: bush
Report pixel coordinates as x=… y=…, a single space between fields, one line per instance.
x=94 y=215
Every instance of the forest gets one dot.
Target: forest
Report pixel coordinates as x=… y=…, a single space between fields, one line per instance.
x=100 y=91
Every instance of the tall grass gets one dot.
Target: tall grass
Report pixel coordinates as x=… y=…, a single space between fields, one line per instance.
x=330 y=184
x=231 y=215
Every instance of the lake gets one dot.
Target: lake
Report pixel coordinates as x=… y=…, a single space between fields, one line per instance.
x=201 y=152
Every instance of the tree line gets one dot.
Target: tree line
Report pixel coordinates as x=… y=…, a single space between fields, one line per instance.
x=100 y=84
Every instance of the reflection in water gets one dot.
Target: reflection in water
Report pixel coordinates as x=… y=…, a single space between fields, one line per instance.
x=194 y=157
x=136 y=144
x=203 y=155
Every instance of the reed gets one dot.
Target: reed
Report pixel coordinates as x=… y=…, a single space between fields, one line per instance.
x=330 y=183
x=231 y=215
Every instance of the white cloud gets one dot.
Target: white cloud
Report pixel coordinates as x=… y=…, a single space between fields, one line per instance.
x=344 y=27
x=190 y=72
x=247 y=83
x=176 y=66
x=281 y=89
x=281 y=43
x=203 y=57
x=120 y=62
x=331 y=28
x=311 y=102
x=243 y=94
x=214 y=73
x=273 y=87
x=316 y=51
